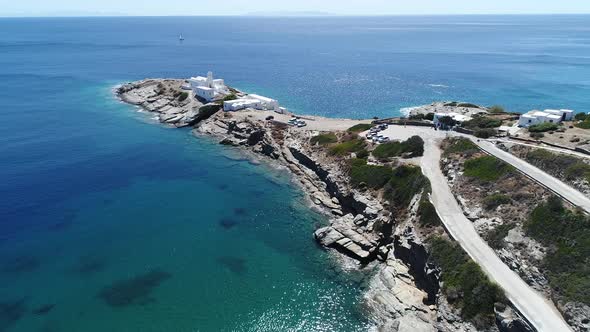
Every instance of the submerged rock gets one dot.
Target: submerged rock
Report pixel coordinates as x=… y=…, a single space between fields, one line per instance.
x=133 y=291
x=21 y=264
x=236 y=265
x=11 y=312
x=44 y=309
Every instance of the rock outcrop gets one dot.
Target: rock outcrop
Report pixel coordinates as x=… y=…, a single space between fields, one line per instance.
x=344 y=236
x=165 y=97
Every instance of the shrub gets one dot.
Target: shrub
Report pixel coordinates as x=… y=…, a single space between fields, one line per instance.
x=567 y=234
x=537 y=135
x=360 y=127
x=447 y=122
x=581 y=116
x=559 y=164
x=413 y=147
x=229 y=97
x=487 y=168
x=371 y=175
x=429 y=116
x=485 y=133
x=584 y=124
x=362 y=154
x=353 y=145
x=496 y=236
x=496 y=109
x=468 y=105
x=418 y=116
x=493 y=201
x=388 y=150
x=482 y=122
x=465 y=284
x=323 y=139
x=427 y=215
x=183 y=96
x=460 y=145
x=406 y=182
x=578 y=170
x=543 y=127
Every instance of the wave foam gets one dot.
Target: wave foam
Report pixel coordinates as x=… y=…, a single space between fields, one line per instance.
x=405 y=111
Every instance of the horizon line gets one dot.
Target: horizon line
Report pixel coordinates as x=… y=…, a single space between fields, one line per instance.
x=294 y=15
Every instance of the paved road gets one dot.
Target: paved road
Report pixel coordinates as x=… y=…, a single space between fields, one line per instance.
x=534 y=306
x=562 y=189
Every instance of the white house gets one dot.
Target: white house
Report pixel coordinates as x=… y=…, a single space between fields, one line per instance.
x=459 y=118
x=242 y=103
x=252 y=101
x=207 y=87
x=267 y=103
x=550 y=116
x=566 y=115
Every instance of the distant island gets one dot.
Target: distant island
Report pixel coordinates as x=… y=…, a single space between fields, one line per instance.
x=289 y=13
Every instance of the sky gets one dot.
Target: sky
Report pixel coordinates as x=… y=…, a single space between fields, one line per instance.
x=241 y=7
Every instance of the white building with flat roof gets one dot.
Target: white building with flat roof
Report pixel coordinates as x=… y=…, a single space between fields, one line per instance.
x=252 y=101
x=267 y=103
x=205 y=93
x=240 y=104
x=208 y=88
x=566 y=115
x=548 y=116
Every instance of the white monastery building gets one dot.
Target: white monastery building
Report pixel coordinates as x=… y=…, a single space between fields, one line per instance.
x=207 y=87
x=548 y=116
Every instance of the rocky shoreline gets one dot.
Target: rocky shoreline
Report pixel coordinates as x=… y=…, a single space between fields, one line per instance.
x=405 y=293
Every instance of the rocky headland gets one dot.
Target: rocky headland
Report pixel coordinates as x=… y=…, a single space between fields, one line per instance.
x=406 y=292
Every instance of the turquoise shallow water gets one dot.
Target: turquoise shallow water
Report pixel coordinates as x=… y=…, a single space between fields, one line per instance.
x=109 y=221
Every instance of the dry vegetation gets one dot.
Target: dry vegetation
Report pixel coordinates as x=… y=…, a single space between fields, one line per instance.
x=551 y=251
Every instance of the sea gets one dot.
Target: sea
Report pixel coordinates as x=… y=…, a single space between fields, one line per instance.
x=110 y=221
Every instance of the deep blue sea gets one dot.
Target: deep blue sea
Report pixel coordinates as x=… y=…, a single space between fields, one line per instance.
x=109 y=221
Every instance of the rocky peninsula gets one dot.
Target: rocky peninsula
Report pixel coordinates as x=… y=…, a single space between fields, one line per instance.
x=373 y=223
